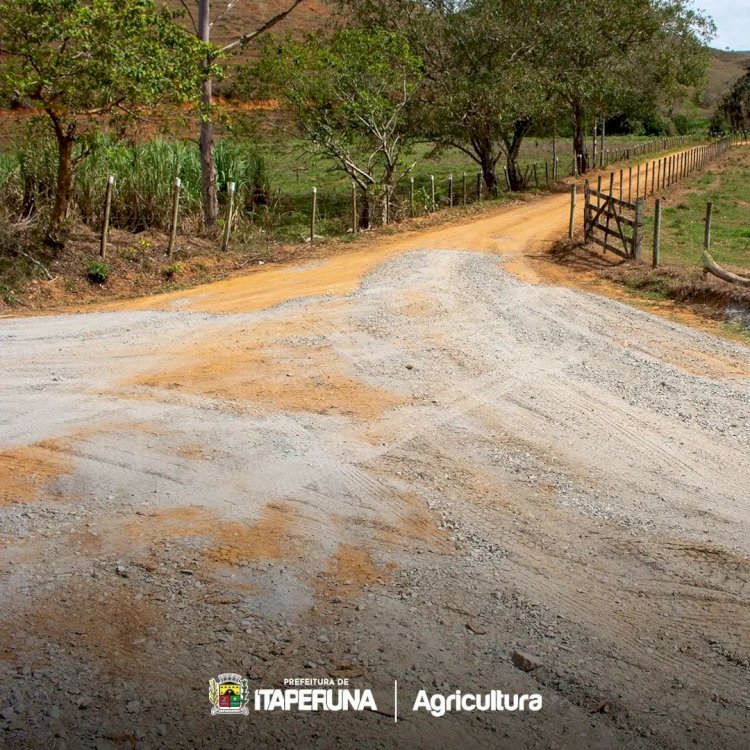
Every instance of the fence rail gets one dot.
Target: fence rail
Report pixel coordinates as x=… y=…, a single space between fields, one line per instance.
x=616 y=224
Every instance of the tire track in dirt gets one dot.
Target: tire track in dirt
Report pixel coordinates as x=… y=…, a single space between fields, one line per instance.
x=495 y=464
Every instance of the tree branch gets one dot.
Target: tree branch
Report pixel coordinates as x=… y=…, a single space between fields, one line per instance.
x=190 y=15
x=246 y=38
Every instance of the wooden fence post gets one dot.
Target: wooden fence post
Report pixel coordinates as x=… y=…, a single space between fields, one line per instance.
x=645 y=192
x=586 y=210
x=105 y=220
x=658 y=175
x=313 y=214
x=638 y=181
x=638 y=229
x=230 y=211
x=609 y=205
x=707 y=232
x=355 y=218
x=630 y=185
x=174 y=217
x=572 y=210
x=464 y=186
x=432 y=192
x=450 y=190
x=657 y=233
x=411 y=196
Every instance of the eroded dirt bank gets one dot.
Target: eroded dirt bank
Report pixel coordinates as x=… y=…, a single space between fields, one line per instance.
x=415 y=468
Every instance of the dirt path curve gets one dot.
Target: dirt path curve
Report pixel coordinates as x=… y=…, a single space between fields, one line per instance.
x=401 y=463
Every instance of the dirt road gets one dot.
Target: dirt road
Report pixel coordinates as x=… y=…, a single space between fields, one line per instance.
x=404 y=463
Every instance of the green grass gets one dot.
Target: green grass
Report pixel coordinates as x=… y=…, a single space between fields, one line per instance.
x=274 y=183
x=727 y=186
x=293 y=170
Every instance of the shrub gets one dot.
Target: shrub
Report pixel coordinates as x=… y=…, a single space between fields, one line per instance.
x=98 y=271
x=144 y=176
x=171 y=271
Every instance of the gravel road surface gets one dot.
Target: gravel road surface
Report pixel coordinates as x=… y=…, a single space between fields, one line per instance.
x=404 y=464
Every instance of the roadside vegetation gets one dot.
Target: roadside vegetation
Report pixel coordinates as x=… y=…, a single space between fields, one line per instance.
x=396 y=92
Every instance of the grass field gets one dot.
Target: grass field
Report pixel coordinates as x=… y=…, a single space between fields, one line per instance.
x=293 y=170
x=727 y=186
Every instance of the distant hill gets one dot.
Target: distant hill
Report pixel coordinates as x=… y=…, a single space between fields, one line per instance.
x=247 y=15
x=726 y=68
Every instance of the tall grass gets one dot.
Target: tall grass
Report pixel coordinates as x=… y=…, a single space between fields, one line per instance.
x=144 y=175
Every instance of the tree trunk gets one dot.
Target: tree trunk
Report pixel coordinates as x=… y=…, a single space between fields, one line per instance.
x=63 y=189
x=513 y=148
x=365 y=210
x=579 y=139
x=489 y=173
x=385 y=201
x=208 y=164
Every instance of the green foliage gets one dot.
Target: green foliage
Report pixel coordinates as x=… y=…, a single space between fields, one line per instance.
x=350 y=96
x=682 y=124
x=734 y=110
x=95 y=57
x=144 y=175
x=85 y=62
x=621 y=57
x=172 y=270
x=97 y=272
x=718 y=125
x=483 y=87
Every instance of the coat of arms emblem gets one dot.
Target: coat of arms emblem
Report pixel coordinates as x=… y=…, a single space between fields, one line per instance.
x=229 y=694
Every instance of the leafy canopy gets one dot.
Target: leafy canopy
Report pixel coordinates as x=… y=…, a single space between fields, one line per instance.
x=350 y=96
x=76 y=59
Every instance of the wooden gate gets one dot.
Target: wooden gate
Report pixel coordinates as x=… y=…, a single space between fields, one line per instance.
x=613 y=223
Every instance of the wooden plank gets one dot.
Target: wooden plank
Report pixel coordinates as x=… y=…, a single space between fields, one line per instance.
x=619 y=226
x=603 y=195
x=612 y=232
x=619 y=217
x=616 y=250
x=606 y=210
x=599 y=210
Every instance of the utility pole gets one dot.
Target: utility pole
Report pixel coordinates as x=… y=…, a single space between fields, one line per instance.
x=202 y=26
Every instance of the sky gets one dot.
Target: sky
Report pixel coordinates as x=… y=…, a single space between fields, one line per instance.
x=732 y=19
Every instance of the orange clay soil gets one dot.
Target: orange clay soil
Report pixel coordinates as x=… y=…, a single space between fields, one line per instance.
x=522 y=233
x=25 y=471
x=274 y=363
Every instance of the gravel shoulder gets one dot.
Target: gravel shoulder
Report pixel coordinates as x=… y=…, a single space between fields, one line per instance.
x=406 y=465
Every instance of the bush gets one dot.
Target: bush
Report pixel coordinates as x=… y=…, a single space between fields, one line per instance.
x=144 y=176
x=98 y=271
x=171 y=271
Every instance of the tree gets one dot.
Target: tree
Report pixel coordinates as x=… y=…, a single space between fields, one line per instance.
x=612 y=55
x=350 y=97
x=202 y=25
x=482 y=85
x=82 y=64
x=734 y=108
x=489 y=89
